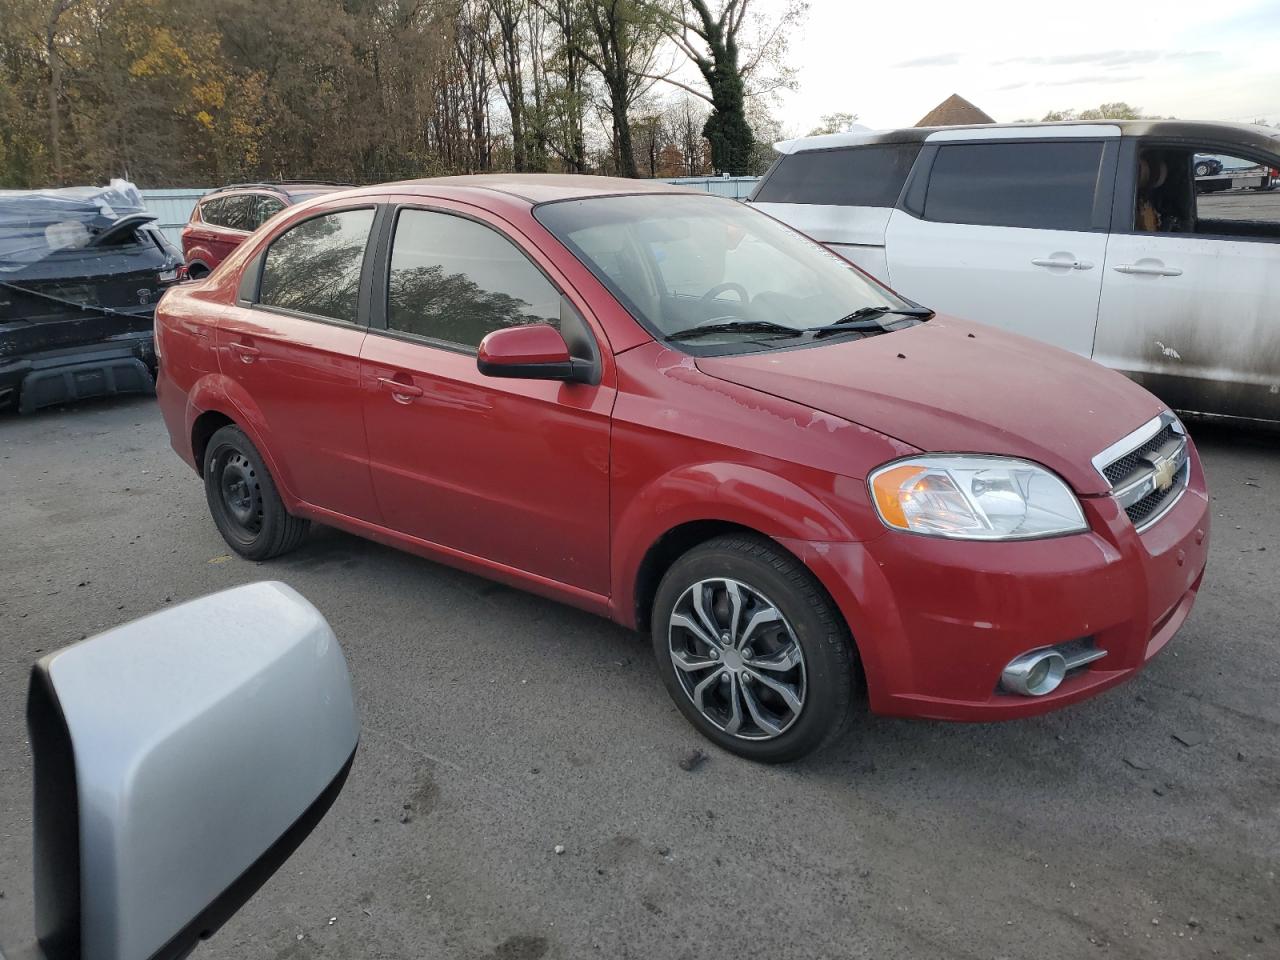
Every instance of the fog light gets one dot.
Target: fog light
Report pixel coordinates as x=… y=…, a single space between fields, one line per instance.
x=1034 y=674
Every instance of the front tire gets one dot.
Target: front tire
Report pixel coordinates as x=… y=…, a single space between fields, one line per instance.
x=752 y=650
x=243 y=500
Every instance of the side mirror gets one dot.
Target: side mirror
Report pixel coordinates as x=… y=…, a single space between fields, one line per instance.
x=532 y=352
x=179 y=760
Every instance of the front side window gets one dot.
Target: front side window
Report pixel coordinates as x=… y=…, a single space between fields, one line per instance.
x=314 y=267
x=455 y=280
x=1045 y=186
x=865 y=176
x=714 y=275
x=1237 y=196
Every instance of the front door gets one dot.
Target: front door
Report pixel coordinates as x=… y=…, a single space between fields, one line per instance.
x=295 y=354
x=1191 y=297
x=1012 y=234
x=515 y=472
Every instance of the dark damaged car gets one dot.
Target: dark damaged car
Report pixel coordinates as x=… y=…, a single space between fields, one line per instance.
x=81 y=270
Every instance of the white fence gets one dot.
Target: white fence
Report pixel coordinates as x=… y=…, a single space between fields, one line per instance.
x=173 y=207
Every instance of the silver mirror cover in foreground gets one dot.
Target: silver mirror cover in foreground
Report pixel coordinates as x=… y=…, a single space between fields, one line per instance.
x=179 y=760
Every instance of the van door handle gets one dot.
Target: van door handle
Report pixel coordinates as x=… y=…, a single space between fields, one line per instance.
x=246 y=353
x=1064 y=264
x=1148 y=268
x=400 y=392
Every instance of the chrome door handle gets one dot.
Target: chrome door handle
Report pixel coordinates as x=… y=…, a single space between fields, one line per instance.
x=1065 y=264
x=400 y=392
x=246 y=353
x=1148 y=269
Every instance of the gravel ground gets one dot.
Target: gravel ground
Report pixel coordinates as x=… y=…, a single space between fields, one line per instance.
x=497 y=725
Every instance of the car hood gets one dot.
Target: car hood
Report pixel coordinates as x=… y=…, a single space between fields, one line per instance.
x=962 y=387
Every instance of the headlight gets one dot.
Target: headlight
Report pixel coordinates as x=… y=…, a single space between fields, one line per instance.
x=975 y=498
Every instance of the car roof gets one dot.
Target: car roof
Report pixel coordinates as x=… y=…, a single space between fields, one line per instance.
x=289 y=188
x=1245 y=134
x=542 y=187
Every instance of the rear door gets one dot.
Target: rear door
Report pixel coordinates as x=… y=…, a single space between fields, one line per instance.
x=515 y=472
x=293 y=345
x=1191 y=295
x=1008 y=232
x=842 y=197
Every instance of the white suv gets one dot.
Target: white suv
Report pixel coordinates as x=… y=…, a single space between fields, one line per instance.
x=1096 y=237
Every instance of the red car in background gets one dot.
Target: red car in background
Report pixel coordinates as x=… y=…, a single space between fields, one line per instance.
x=674 y=411
x=224 y=217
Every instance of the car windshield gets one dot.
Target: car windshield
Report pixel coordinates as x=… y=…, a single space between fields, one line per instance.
x=678 y=262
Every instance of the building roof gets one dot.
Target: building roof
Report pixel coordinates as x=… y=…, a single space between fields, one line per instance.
x=954 y=111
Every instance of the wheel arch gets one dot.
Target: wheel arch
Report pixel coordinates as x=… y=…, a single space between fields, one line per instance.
x=217 y=401
x=674 y=512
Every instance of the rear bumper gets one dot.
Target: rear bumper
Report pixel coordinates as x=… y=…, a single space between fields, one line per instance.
x=119 y=365
x=936 y=621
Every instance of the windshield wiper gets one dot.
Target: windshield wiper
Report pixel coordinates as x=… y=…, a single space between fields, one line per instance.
x=735 y=326
x=868 y=318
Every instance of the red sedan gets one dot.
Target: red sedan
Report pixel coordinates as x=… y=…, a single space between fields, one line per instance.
x=672 y=410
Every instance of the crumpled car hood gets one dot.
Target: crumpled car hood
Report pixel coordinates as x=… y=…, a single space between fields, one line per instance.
x=957 y=386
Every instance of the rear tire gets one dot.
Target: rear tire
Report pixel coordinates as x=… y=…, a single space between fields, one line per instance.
x=243 y=500
x=777 y=682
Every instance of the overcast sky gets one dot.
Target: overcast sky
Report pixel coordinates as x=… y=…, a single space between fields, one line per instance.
x=891 y=62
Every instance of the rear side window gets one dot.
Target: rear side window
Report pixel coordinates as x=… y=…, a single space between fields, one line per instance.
x=870 y=176
x=456 y=280
x=1046 y=186
x=315 y=267
x=264 y=209
x=236 y=212
x=211 y=211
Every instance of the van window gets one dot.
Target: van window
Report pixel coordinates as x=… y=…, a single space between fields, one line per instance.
x=1236 y=196
x=1045 y=186
x=870 y=176
x=314 y=267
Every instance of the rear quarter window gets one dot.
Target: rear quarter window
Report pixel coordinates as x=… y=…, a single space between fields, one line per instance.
x=870 y=176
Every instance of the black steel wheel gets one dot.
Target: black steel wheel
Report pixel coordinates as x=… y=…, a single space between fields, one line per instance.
x=243 y=500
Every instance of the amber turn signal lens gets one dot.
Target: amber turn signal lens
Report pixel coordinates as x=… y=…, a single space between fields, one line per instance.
x=888 y=489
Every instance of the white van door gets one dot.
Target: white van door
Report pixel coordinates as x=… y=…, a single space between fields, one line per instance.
x=1011 y=233
x=1194 y=315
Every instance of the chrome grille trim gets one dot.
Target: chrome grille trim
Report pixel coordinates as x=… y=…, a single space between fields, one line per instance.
x=1135 y=465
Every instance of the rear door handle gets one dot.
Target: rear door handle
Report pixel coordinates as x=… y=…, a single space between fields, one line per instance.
x=400 y=392
x=1148 y=268
x=246 y=353
x=1062 y=263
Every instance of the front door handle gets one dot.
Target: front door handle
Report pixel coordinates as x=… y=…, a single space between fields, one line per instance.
x=246 y=353
x=400 y=392
x=1062 y=263
x=1148 y=268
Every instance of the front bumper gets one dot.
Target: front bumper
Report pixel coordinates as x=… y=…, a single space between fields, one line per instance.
x=936 y=621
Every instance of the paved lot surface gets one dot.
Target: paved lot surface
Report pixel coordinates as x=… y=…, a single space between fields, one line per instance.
x=497 y=725
x=1241 y=205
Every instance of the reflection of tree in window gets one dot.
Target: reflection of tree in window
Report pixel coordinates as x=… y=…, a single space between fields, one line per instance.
x=315 y=267
x=456 y=280
x=453 y=307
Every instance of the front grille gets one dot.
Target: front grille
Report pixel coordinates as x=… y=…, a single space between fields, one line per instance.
x=1135 y=475
x=1150 y=504
x=1131 y=461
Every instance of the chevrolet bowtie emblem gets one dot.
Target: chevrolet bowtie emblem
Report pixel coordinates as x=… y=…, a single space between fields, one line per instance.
x=1163 y=471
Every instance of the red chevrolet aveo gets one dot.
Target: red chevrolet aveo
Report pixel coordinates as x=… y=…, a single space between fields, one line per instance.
x=672 y=410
